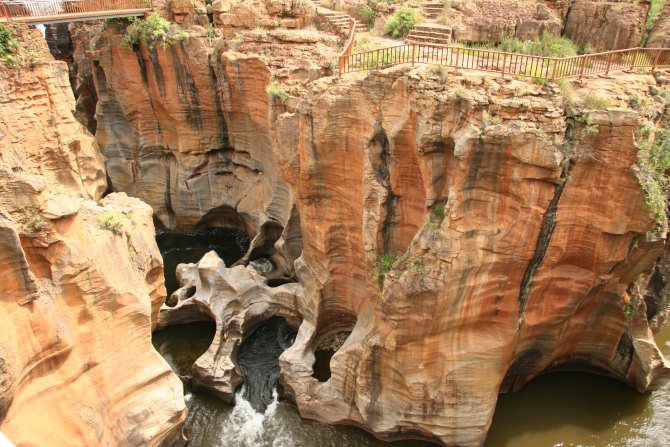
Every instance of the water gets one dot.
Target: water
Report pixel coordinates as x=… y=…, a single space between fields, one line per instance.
x=558 y=409
x=183 y=247
x=258 y=359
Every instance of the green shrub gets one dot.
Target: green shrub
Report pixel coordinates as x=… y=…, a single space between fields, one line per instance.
x=628 y=311
x=438 y=211
x=152 y=29
x=111 y=222
x=596 y=102
x=7 y=43
x=384 y=264
x=654 y=161
x=276 y=90
x=401 y=22
x=548 y=45
x=367 y=16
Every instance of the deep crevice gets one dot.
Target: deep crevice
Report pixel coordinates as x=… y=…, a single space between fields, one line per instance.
x=542 y=245
x=384 y=177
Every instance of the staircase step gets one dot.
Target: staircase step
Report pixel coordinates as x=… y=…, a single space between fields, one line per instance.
x=428 y=34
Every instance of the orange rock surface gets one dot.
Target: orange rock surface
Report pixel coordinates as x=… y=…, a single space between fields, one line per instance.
x=82 y=281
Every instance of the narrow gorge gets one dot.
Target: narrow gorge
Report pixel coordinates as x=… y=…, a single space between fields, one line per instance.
x=209 y=237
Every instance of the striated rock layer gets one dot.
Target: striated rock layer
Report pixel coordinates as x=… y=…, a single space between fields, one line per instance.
x=606 y=25
x=82 y=281
x=515 y=233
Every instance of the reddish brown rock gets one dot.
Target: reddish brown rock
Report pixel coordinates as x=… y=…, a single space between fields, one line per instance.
x=82 y=281
x=606 y=26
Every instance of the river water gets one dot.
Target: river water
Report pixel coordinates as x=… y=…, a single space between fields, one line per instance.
x=559 y=409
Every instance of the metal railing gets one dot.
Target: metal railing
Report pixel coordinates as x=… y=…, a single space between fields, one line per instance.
x=41 y=11
x=506 y=63
x=349 y=46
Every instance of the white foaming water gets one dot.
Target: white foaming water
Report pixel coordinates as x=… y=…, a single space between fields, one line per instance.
x=246 y=426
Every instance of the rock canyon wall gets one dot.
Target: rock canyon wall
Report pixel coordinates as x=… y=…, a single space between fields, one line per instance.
x=446 y=238
x=82 y=279
x=512 y=226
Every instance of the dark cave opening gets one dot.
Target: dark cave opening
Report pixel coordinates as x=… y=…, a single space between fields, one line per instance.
x=178 y=247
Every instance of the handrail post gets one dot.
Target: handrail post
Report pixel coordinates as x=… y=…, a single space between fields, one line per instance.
x=658 y=56
x=458 y=49
x=609 y=63
x=581 y=67
x=413 y=50
x=553 y=73
x=635 y=56
x=378 y=58
x=503 y=64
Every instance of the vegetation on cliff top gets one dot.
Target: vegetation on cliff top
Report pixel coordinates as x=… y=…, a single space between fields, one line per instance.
x=654 y=162
x=151 y=30
x=7 y=43
x=401 y=22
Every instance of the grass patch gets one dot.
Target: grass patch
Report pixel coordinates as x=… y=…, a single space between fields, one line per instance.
x=8 y=44
x=548 y=45
x=111 y=222
x=596 y=102
x=276 y=91
x=151 y=30
x=401 y=22
x=654 y=161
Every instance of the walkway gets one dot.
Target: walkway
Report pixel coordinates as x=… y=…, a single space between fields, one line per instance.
x=550 y=68
x=55 y=11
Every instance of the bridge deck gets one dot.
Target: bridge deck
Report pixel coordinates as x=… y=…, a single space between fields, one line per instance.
x=54 y=11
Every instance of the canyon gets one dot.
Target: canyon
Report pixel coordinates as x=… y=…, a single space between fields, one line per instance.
x=434 y=239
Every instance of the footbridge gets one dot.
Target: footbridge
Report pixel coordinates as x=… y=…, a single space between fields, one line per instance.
x=57 y=11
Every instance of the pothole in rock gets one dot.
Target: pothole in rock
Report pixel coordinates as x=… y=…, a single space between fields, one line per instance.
x=178 y=247
x=258 y=359
x=181 y=345
x=323 y=352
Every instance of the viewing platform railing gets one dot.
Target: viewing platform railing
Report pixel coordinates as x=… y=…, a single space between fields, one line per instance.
x=350 y=44
x=51 y=11
x=483 y=59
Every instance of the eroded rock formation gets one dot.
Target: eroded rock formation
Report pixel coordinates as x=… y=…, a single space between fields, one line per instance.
x=516 y=234
x=493 y=20
x=238 y=299
x=82 y=281
x=606 y=25
x=514 y=230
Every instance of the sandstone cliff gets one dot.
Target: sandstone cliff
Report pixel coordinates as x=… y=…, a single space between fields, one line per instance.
x=463 y=237
x=606 y=25
x=82 y=281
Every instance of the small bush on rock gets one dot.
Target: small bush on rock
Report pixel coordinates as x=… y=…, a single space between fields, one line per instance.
x=111 y=222
x=7 y=43
x=276 y=90
x=152 y=29
x=401 y=22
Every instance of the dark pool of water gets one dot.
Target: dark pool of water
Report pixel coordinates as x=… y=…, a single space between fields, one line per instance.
x=189 y=247
x=558 y=409
x=258 y=359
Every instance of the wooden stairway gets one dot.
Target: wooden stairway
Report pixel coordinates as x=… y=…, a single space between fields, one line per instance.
x=432 y=9
x=340 y=21
x=429 y=34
